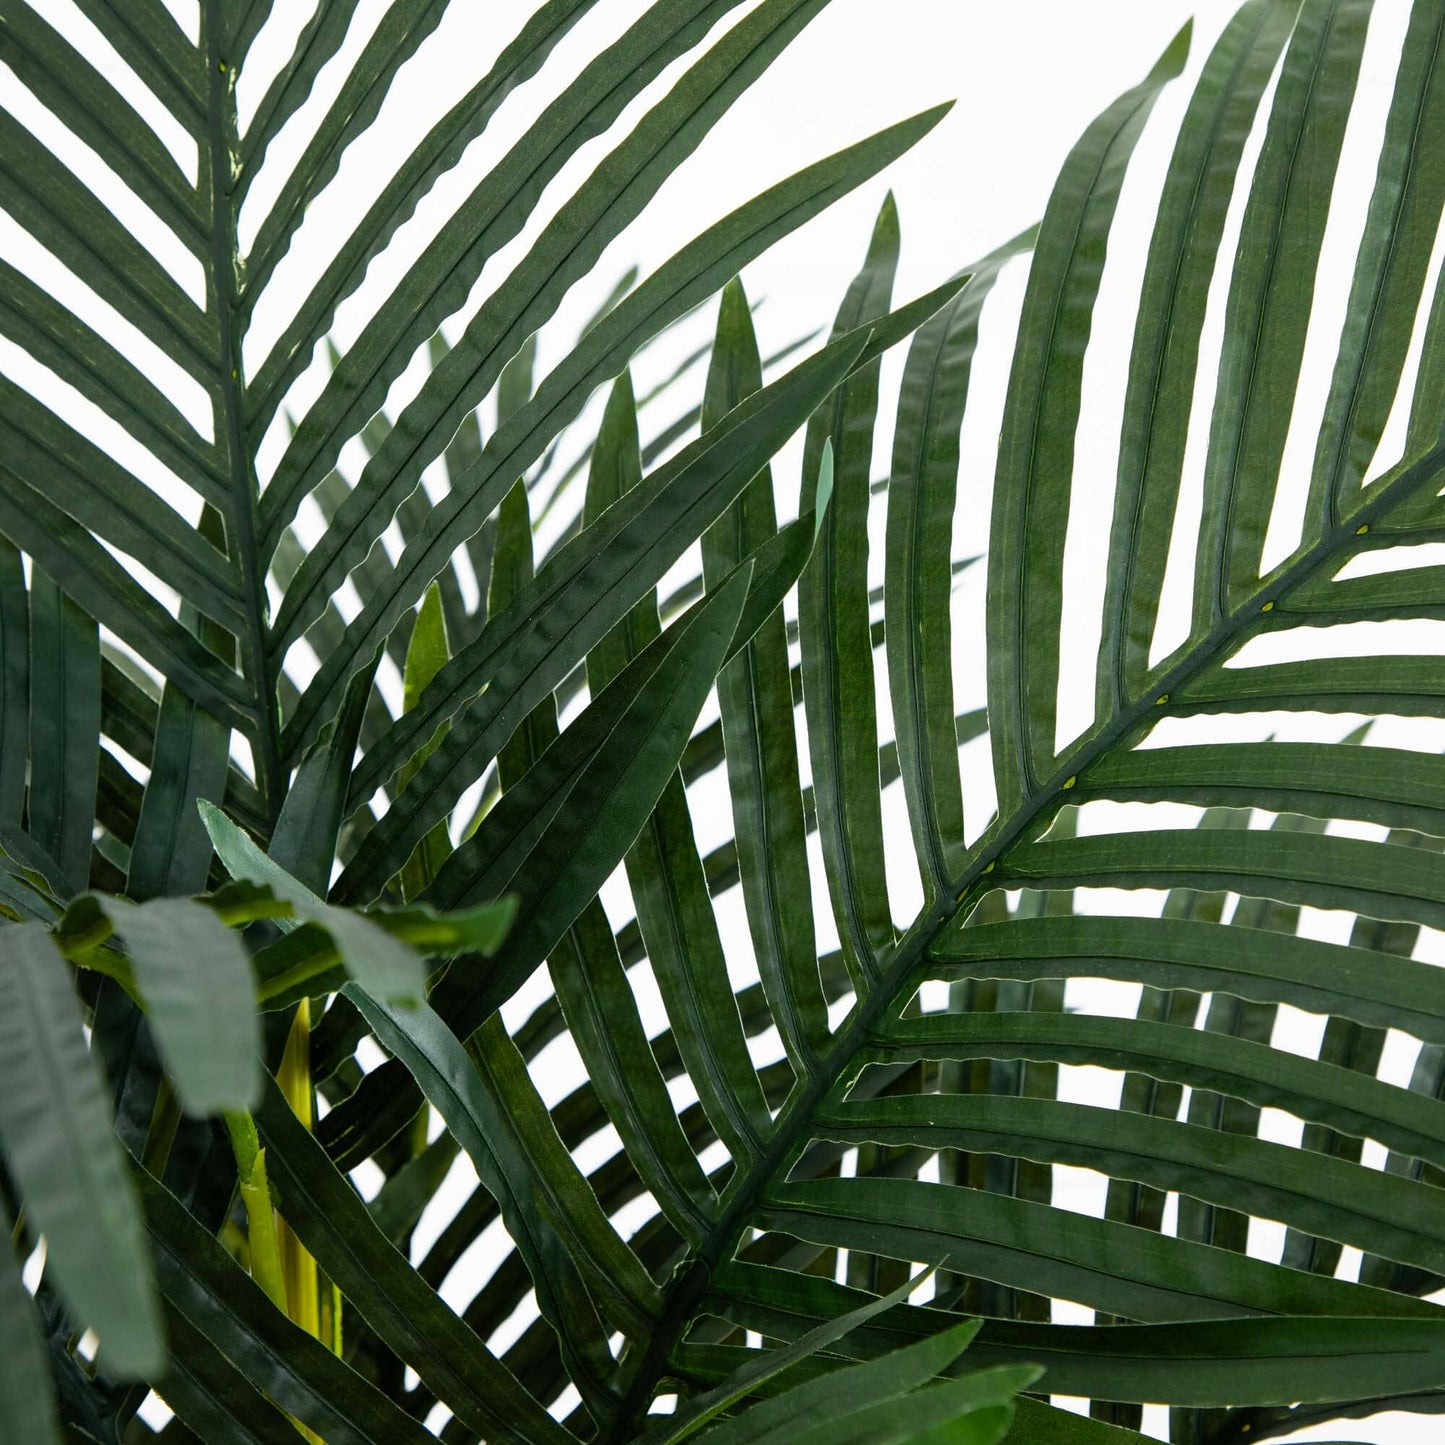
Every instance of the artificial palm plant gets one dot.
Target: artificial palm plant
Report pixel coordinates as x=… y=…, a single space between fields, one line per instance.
x=267 y=910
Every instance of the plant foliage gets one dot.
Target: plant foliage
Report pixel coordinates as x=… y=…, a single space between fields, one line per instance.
x=264 y=909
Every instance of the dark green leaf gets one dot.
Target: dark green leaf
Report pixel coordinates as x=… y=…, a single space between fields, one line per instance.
x=206 y=1288
x=321 y=1205
x=27 y=1397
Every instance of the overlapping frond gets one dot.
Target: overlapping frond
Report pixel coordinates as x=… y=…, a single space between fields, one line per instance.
x=943 y=1115
x=264 y=872
x=161 y=567
x=900 y=1133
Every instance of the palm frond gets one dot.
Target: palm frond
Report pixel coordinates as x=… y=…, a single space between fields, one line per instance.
x=385 y=787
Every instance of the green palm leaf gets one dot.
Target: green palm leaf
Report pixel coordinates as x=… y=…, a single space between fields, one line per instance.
x=104 y=766
x=56 y=1130
x=447 y=730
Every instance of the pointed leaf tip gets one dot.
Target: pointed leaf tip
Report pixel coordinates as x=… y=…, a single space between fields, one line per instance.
x=921 y=123
x=824 y=490
x=887 y=228
x=734 y=307
x=1176 y=54
x=622 y=397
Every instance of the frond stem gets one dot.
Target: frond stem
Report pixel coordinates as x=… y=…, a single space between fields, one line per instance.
x=243 y=494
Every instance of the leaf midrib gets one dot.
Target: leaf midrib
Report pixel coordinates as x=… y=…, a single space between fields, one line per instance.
x=794 y=1123
x=240 y=519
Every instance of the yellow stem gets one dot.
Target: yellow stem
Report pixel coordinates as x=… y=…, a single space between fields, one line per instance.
x=298 y=1268
x=294 y=1076
x=261 y=1240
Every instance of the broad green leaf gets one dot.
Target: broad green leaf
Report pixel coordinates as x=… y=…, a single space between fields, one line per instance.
x=212 y=1395
x=30 y=877
x=195 y=980
x=67 y=1164
x=306 y=960
x=1035 y=1423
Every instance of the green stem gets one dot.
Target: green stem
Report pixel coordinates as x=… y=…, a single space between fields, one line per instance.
x=264 y=1246
x=234 y=915
x=165 y=1120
